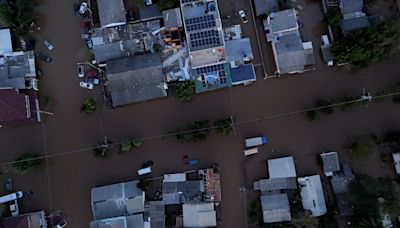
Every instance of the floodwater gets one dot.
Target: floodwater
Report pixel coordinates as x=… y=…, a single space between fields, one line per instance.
x=65 y=182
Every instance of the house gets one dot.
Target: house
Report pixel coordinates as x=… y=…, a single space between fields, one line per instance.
x=266 y=6
x=330 y=162
x=172 y=18
x=275 y=208
x=312 y=195
x=124 y=41
x=290 y=53
x=117 y=200
x=396 y=160
x=135 y=79
x=18 y=107
x=111 y=13
x=238 y=51
x=205 y=40
x=17 y=70
x=176 y=190
x=5 y=41
x=340 y=182
x=212 y=184
x=129 y=221
x=34 y=220
x=243 y=74
x=155 y=214
x=274 y=184
x=353 y=17
x=151 y=12
x=199 y=215
x=281 y=168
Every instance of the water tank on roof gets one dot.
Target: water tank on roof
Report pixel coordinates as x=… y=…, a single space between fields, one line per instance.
x=211 y=77
x=211 y=6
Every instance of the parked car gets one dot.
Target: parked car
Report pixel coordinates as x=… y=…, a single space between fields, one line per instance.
x=243 y=16
x=86 y=85
x=47 y=43
x=94 y=81
x=45 y=57
x=256 y=141
x=61 y=224
x=11 y=197
x=14 y=209
x=188 y=161
x=81 y=71
x=89 y=44
x=83 y=8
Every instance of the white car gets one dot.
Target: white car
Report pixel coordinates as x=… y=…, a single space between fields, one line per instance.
x=86 y=85
x=81 y=71
x=243 y=16
x=47 y=43
x=94 y=81
x=14 y=209
x=83 y=8
x=61 y=224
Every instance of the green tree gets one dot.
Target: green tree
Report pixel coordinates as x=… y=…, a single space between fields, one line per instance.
x=322 y=103
x=255 y=211
x=89 y=106
x=143 y=185
x=18 y=14
x=334 y=17
x=196 y=132
x=102 y=150
x=362 y=47
x=312 y=116
x=136 y=143
x=301 y=219
x=184 y=91
x=364 y=192
x=363 y=145
x=123 y=147
x=26 y=163
x=223 y=126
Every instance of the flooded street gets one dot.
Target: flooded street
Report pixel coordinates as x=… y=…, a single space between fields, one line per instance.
x=68 y=136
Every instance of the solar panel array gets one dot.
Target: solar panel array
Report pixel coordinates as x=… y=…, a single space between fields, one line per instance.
x=204 y=38
x=220 y=69
x=202 y=22
x=187 y=1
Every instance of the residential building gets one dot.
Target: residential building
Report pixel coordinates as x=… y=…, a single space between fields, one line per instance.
x=202 y=23
x=199 y=215
x=312 y=195
x=135 y=79
x=340 y=182
x=177 y=190
x=5 y=41
x=172 y=18
x=18 y=107
x=275 y=208
x=330 y=162
x=29 y=220
x=353 y=17
x=281 y=168
x=212 y=184
x=264 y=7
x=111 y=13
x=118 y=205
x=150 y=12
x=396 y=160
x=291 y=54
x=17 y=70
x=155 y=214
x=274 y=184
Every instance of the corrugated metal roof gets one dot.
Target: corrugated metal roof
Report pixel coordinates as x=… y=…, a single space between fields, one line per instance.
x=281 y=167
x=275 y=208
x=199 y=215
x=312 y=195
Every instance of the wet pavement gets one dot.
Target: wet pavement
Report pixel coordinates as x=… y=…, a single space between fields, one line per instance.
x=65 y=182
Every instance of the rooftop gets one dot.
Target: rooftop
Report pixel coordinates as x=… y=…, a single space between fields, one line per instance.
x=155 y=210
x=281 y=167
x=349 y=25
x=212 y=184
x=17 y=69
x=238 y=50
x=135 y=221
x=135 y=79
x=199 y=215
x=117 y=200
x=312 y=195
x=266 y=6
x=111 y=12
x=212 y=77
x=275 y=208
x=396 y=160
x=282 y=21
x=351 y=6
x=243 y=74
x=123 y=41
x=29 y=220
x=5 y=41
x=150 y=12
x=17 y=107
x=181 y=192
x=275 y=184
x=331 y=163
x=172 y=18
x=289 y=53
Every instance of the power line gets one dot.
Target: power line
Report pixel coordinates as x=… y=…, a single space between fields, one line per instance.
x=171 y=134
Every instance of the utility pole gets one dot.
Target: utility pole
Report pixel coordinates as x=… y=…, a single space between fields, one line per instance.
x=233 y=126
x=366 y=97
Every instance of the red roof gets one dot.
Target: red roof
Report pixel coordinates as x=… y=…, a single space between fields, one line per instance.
x=15 y=105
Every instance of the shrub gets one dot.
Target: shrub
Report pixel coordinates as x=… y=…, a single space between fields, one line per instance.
x=143 y=185
x=184 y=91
x=334 y=17
x=123 y=147
x=363 y=145
x=136 y=143
x=26 y=163
x=223 y=126
x=196 y=132
x=323 y=103
x=312 y=116
x=89 y=106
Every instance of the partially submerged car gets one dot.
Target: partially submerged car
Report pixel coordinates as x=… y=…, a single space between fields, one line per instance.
x=86 y=85
x=48 y=45
x=45 y=57
x=243 y=16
